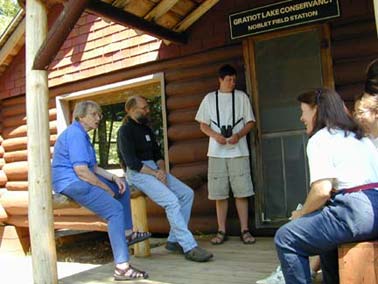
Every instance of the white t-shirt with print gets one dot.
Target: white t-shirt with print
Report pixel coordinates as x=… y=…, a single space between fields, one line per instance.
x=207 y=113
x=348 y=161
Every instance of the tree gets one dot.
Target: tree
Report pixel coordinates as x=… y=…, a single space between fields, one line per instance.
x=8 y=9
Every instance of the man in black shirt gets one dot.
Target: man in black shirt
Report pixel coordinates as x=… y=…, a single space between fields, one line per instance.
x=140 y=154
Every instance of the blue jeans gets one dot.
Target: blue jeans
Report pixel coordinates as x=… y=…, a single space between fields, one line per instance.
x=175 y=197
x=116 y=211
x=345 y=218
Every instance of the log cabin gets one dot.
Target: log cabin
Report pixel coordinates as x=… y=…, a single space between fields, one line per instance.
x=169 y=51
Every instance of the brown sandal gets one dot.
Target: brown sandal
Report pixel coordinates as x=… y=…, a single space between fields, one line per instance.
x=130 y=273
x=219 y=239
x=247 y=238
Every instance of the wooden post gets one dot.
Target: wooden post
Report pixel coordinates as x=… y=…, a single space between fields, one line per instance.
x=40 y=197
x=139 y=216
x=376 y=15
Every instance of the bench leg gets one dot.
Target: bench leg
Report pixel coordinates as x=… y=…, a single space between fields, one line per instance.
x=139 y=215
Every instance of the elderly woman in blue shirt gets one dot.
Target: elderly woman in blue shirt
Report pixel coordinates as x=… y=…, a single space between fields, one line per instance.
x=75 y=173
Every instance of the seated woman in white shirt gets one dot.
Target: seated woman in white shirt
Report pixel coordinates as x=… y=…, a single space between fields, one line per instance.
x=342 y=205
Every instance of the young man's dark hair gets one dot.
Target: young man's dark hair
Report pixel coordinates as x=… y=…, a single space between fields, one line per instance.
x=226 y=70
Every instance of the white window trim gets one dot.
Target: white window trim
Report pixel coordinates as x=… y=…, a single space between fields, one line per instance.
x=63 y=112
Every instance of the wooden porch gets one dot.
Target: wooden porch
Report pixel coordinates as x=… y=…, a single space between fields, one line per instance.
x=233 y=262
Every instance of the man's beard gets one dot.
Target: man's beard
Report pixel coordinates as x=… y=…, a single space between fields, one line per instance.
x=142 y=119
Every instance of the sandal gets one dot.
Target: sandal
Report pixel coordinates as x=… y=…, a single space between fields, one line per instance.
x=137 y=237
x=130 y=273
x=219 y=239
x=247 y=238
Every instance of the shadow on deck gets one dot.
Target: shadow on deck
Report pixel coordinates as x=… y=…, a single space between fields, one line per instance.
x=233 y=262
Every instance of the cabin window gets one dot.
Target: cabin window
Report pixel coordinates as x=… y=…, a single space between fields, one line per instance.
x=112 y=98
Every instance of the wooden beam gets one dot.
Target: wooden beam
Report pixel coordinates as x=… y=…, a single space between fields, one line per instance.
x=159 y=10
x=40 y=211
x=58 y=33
x=195 y=15
x=376 y=15
x=127 y=19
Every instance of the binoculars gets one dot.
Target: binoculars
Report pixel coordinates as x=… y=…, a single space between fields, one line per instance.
x=226 y=131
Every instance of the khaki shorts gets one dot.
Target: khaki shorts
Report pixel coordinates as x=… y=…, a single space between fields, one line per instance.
x=226 y=172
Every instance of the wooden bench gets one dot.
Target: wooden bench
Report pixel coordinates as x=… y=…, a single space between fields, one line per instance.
x=138 y=210
x=358 y=263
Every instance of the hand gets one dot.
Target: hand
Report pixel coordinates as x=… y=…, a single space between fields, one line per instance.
x=296 y=214
x=161 y=176
x=233 y=139
x=121 y=184
x=220 y=139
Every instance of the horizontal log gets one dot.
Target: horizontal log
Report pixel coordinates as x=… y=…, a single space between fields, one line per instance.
x=188 y=151
x=351 y=91
x=17 y=185
x=184 y=88
x=174 y=75
x=355 y=47
x=184 y=102
x=353 y=30
x=18 y=156
x=3 y=178
x=86 y=223
x=1 y=151
x=2 y=163
x=16 y=171
x=19 y=131
x=181 y=116
x=1 y=137
x=14 y=110
x=188 y=131
x=61 y=201
x=351 y=72
x=194 y=174
x=14 y=101
x=20 y=119
x=20 y=143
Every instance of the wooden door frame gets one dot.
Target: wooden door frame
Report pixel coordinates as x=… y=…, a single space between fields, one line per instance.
x=252 y=89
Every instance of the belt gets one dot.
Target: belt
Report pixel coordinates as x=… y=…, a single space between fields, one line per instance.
x=357 y=188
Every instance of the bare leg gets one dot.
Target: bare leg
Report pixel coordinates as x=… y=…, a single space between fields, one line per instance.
x=222 y=208
x=242 y=208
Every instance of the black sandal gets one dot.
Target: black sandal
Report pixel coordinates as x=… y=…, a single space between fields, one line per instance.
x=130 y=273
x=247 y=238
x=220 y=238
x=137 y=237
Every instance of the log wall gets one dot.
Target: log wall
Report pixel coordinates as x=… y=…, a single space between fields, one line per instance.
x=354 y=45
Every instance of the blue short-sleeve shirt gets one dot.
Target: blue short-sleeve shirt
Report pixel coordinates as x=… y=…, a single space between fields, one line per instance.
x=73 y=148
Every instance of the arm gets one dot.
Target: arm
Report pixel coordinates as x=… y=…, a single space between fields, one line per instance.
x=211 y=133
x=85 y=174
x=243 y=132
x=109 y=176
x=319 y=194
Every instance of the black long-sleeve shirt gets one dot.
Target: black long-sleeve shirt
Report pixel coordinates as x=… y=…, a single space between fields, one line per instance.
x=136 y=143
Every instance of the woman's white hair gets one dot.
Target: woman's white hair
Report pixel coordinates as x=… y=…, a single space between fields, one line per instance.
x=81 y=109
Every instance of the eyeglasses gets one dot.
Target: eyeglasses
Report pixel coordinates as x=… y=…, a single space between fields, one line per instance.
x=99 y=115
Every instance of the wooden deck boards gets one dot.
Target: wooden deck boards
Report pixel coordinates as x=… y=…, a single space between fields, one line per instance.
x=233 y=262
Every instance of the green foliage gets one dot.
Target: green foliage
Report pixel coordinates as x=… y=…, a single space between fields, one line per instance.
x=8 y=9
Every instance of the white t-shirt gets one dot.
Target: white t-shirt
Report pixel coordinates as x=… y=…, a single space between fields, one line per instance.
x=207 y=113
x=348 y=161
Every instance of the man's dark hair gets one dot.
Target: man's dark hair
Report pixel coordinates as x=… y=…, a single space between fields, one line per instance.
x=226 y=70
x=331 y=112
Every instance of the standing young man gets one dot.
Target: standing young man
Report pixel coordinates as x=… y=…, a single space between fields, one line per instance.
x=226 y=116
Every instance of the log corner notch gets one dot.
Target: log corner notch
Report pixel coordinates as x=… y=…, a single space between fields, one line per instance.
x=71 y=14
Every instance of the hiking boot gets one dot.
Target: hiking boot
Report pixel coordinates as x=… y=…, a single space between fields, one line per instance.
x=174 y=247
x=198 y=254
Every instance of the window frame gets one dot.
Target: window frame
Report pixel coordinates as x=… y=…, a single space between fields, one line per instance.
x=63 y=112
